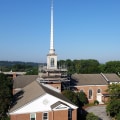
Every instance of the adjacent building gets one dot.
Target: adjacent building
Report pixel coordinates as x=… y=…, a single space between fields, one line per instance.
x=94 y=85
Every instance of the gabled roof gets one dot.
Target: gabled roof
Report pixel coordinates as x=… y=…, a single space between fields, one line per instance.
x=57 y=104
x=88 y=79
x=24 y=80
x=33 y=91
x=112 y=77
x=27 y=95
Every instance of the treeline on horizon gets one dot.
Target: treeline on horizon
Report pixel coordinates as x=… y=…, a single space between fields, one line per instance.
x=90 y=66
x=73 y=66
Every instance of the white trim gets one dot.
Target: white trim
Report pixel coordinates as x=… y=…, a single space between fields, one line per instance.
x=61 y=107
x=27 y=104
x=88 y=85
x=35 y=105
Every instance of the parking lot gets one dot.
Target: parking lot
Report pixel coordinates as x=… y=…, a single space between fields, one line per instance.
x=99 y=111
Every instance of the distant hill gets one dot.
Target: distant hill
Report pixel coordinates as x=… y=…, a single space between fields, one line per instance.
x=18 y=66
x=12 y=63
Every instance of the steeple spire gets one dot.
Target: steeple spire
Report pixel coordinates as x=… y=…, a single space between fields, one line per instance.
x=52 y=50
x=51 y=57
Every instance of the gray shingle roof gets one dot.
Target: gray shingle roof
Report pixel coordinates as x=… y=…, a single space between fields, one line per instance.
x=29 y=93
x=33 y=91
x=88 y=79
x=112 y=77
x=24 y=80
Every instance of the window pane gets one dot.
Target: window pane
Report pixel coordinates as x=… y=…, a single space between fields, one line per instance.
x=99 y=91
x=45 y=116
x=69 y=114
x=90 y=94
x=32 y=116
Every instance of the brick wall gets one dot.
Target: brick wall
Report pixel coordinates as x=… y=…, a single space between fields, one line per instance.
x=61 y=115
x=20 y=117
x=53 y=115
x=94 y=91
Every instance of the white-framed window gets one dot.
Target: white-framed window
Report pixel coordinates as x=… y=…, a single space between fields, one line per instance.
x=33 y=116
x=45 y=116
x=90 y=93
x=69 y=114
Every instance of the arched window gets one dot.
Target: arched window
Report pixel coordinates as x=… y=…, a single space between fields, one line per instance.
x=52 y=62
x=98 y=91
x=90 y=94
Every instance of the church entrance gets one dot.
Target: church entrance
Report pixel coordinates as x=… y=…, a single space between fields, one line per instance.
x=99 y=98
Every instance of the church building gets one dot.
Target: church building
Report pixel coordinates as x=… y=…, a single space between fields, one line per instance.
x=38 y=97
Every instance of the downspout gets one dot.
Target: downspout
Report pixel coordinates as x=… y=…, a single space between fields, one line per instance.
x=52 y=115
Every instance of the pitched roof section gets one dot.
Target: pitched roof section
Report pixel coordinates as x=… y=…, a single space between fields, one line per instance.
x=55 y=94
x=33 y=91
x=112 y=77
x=24 y=80
x=88 y=79
x=27 y=95
x=57 y=104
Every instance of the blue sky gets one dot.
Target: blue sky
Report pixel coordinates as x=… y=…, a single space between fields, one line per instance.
x=83 y=29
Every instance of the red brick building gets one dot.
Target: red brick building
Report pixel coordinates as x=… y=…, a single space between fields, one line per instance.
x=37 y=102
x=94 y=85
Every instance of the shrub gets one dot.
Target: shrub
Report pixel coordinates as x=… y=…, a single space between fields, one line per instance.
x=96 y=102
x=91 y=116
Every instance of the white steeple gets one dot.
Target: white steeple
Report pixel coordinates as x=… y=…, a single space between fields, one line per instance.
x=51 y=57
x=52 y=50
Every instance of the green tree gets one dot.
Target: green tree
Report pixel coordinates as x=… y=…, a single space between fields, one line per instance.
x=70 y=66
x=114 y=91
x=5 y=95
x=77 y=66
x=32 y=71
x=72 y=96
x=113 y=106
x=112 y=67
x=91 y=116
x=82 y=98
x=118 y=116
x=89 y=66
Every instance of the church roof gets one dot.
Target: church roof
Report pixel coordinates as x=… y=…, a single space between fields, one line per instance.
x=112 y=77
x=24 y=80
x=88 y=79
x=31 y=92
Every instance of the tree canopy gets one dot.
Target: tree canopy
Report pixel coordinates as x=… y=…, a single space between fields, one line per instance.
x=113 y=106
x=5 y=95
x=79 y=99
x=90 y=66
x=73 y=66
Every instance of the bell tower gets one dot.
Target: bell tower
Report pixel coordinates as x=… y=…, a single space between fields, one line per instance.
x=51 y=57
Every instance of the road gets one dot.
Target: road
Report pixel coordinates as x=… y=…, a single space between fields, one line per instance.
x=99 y=111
